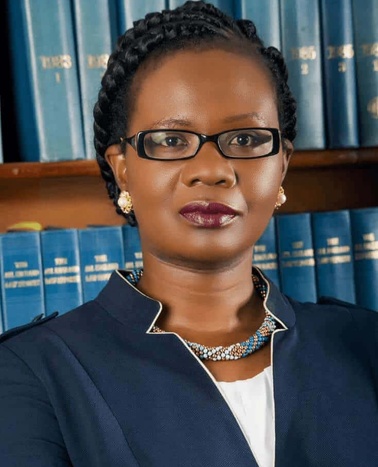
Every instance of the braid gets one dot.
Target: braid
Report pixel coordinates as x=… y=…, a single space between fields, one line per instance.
x=193 y=24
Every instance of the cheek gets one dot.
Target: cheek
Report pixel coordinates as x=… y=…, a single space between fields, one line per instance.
x=150 y=184
x=262 y=183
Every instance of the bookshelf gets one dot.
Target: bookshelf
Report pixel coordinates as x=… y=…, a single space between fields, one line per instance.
x=73 y=194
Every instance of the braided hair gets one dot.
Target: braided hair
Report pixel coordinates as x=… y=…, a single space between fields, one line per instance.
x=195 y=24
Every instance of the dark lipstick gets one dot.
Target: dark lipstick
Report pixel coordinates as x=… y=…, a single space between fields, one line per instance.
x=208 y=215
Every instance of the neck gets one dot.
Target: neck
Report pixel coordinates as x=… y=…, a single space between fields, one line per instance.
x=213 y=301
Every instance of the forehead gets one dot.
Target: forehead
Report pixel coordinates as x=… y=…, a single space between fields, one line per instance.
x=204 y=89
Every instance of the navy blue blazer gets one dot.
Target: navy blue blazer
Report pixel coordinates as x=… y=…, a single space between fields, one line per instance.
x=93 y=388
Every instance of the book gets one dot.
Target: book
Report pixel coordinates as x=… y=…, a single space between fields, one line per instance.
x=133 y=10
x=266 y=17
x=95 y=32
x=21 y=278
x=301 y=47
x=365 y=24
x=1 y=301
x=61 y=270
x=225 y=5
x=332 y=238
x=265 y=255
x=132 y=247
x=339 y=74
x=364 y=224
x=296 y=256
x=45 y=77
x=1 y=141
x=101 y=252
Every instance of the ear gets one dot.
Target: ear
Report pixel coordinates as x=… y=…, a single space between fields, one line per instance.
x=288 y=150
x=117 y=161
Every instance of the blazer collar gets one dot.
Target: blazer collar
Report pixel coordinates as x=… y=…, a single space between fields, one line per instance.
x=133 y=308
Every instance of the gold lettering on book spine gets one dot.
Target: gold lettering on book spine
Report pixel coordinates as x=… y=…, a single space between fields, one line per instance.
x=50 y=62
x=370 y=50
x=345 y=51
x=97 y=61
x=368 y=249
x=372 y=107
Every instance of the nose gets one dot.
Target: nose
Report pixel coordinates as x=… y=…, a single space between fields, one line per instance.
x=209 y=167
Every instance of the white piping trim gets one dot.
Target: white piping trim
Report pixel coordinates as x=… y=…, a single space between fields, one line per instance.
x=207 y=370
x=285 y=328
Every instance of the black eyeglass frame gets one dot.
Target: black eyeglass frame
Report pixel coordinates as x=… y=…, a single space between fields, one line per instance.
x=137 y=142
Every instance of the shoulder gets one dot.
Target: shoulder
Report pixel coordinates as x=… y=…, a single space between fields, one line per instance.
x=42 y=331
x=37 y=321
x=331 y=312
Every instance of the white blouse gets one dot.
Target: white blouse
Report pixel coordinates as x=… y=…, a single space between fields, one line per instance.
x=251 y=400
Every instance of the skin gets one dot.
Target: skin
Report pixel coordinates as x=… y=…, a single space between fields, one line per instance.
x=203 y=276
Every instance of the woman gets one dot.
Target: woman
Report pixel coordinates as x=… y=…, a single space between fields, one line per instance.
x=193 y=361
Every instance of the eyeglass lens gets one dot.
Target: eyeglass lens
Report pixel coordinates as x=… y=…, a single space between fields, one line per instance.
x=177 y=144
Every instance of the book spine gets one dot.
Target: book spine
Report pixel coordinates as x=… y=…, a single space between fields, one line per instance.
x=132 y=247
x=339 y=74
x=296 y=256
x=21 y=278
x=265 y=254
x=95 y=28
x=333 y=247
x=365 y=23
x=301 y=47
x=266 y=17
x=225 y=5
x=61 y=270
x=101 y=252
x=1 y=141
x=2 y=327
x=45 y=76
x=130 y=11
x=364 y=223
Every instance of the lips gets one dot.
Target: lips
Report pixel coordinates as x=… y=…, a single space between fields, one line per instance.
x=208 y=215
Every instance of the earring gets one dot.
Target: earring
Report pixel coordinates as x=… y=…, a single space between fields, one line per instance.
x=125 y=202
x=281 y=198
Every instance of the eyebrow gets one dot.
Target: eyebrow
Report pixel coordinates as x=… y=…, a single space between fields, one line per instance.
x=171 y=122
x=179 y=122
x=251 y=115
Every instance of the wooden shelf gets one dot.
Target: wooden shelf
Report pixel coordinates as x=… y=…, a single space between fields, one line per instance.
x=16 y=170
x=85 y=168
x=73 y=194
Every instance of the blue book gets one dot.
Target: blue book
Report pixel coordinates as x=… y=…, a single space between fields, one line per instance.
x=21 y=278
x=332 y=237
x=1 y=142
x=133 y=10
x=225 y=5
x=132 y=247
x=296 y=256
x=265 y=254
x=101 y=252
x=365 y=21
x=1 y=301
x=61 y=270
x=364 y=223
x=95 y=32
x=301 y=47
x=339 y=74
x=266 y=17
x=45 y=78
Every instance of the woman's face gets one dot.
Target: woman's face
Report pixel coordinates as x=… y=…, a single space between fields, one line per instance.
x=206 y=92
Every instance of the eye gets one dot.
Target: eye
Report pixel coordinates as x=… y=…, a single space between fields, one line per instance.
x=168 y=140
x=243 y=139
x=252 y=138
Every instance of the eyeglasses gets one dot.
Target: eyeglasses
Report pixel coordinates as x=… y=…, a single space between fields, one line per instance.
x=173 y=145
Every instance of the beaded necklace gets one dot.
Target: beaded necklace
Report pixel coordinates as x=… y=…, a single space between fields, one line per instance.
x=234 y=351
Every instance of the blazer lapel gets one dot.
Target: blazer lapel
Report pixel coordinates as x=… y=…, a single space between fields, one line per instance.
x=163 y=395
